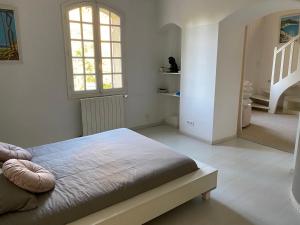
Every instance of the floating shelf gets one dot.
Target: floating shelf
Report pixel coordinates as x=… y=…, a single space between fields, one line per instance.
x=170 y=94
x=166 y=73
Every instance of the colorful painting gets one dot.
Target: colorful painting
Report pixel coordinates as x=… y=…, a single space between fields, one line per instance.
x=289 y=28
x=8 y=36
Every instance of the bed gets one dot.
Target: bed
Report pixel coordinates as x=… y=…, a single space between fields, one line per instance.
x=117 y=177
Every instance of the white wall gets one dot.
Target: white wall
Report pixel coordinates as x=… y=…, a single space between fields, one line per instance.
x=199 y=57
x=199 y=19
x=253 y=53
x=296 y=180
x=35 y=108
x=232 y=17
x=33 y=96
x=198 y=12
x=170 y=44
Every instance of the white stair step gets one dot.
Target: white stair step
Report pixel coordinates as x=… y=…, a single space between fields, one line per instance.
x=259 y=106
x=260 y=98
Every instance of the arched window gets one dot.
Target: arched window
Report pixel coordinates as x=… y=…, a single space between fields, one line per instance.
x=94 y=50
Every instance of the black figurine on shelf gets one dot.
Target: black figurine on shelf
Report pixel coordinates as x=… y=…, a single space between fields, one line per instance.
x=174 y=67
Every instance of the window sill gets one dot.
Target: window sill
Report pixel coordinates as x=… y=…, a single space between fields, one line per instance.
x=74 y=95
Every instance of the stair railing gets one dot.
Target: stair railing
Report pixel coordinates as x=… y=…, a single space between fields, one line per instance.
x=282 y=52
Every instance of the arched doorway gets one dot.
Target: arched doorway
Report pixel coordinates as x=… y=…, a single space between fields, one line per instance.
x=258 y=124
x=230 y=63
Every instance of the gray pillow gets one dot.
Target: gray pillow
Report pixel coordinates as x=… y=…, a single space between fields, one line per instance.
x=13 y=198
x=8 y=151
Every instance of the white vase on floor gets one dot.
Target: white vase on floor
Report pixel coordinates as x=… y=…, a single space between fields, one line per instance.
x=247 y=103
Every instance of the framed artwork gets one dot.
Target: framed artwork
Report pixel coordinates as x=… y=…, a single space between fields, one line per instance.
x=9 y=46
x=289 y=28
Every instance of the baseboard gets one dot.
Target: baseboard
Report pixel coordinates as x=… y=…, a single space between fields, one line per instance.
x=219 y=141
x=195 y=137
x=222 y=140
x=145 y=126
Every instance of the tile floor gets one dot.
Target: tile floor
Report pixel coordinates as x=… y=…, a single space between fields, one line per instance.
x=253 y=187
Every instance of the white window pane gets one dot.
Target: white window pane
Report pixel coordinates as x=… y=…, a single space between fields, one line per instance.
x=76 y=48
x=115 y=33
x=107 y=82
x=104 y=16
x=117 y=66
x=88 y=33
x=118 y=83
x=106 y=66
x=75 y=30
x=83 y=49
x=90 y=83
x=89 y=66
x=105 y=33
x=78 y=66
x=105 y=50
x=87 y=14
x=89 y=50
x=115 y=19
x=74 y=15
x=116 y=50
x=78 y=83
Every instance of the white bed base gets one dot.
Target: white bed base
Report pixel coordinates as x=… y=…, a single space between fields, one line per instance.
x=151 y=204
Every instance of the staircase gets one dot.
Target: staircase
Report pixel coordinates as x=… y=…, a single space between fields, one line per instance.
x=260 y=102
x=286 y=71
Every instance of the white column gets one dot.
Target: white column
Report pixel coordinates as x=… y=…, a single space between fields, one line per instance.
x=297 y=144
x=296 y=181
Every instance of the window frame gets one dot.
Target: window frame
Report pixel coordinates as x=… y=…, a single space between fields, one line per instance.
x=96 y=5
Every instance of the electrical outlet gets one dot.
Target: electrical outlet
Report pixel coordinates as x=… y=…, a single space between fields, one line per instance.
x=191 y=123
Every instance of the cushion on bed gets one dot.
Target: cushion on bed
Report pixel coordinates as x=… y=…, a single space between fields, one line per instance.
x=8 y=151
x=28 y=175
x=13 y=198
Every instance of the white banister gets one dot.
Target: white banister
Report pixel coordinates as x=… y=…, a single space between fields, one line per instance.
x=287 y=44
x=282 y=64
x=274 y=67
x=281 y=79
x=291 y=57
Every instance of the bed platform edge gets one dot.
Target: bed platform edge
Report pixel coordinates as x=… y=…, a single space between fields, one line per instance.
x=151 y=204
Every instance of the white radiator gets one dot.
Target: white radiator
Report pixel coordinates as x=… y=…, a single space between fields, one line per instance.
x=102 y=114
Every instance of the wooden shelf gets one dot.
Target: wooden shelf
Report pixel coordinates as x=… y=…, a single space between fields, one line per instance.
x=170 y=94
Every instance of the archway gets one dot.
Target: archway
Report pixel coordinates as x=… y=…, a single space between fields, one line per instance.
x=230 y=64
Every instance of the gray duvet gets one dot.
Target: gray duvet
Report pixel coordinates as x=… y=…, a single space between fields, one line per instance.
x=97 y=171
